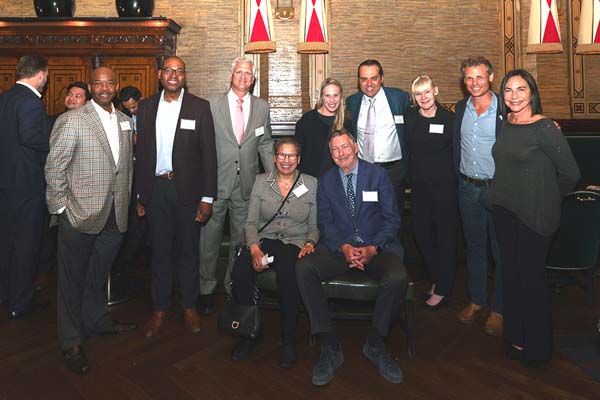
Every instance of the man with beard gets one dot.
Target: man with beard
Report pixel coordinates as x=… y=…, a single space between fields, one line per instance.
x=176 y=183
x=23 y=150
x=89 y=173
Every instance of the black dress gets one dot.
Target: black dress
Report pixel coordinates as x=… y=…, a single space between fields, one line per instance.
x=312 y=132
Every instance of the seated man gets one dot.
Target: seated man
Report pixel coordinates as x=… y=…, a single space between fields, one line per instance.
x=358 y=220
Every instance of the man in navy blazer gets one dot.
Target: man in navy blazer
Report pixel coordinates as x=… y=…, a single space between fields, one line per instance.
x=386 y=145
x=24 y=146
x=176 y=183
x=358 y=221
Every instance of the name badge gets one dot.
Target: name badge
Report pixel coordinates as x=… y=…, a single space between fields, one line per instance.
x=370 y=196
x=300 y=190
x=398 y=119
x=125 y=126
x=188 y=124
x=436 y=128
x=259 y=131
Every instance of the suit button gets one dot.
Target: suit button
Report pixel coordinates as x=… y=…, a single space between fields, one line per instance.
x=236 y=161
x=239 y=147
x=117 y=173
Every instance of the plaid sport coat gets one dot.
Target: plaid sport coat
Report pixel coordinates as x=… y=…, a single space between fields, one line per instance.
x=81 y=172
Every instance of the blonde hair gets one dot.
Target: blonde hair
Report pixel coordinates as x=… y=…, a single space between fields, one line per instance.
x=338 y=121
x=420 y=81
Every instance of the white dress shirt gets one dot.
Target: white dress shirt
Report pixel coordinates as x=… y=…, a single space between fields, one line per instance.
x=111 y=128
x=166 y=125
x=232 y=99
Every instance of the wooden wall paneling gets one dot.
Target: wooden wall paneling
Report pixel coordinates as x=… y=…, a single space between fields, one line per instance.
x=7 y=72
x=140 y=72
x=62 y=71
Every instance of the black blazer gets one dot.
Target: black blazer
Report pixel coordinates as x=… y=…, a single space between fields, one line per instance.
x=24 y=142
x=194 y=152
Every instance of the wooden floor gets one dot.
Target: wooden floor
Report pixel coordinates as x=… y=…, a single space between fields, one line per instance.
x=453 y=361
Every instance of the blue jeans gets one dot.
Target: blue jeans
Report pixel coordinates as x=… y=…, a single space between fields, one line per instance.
x=478 y=225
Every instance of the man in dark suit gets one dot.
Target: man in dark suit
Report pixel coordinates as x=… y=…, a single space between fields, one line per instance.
x=24 y=146
x=377 y=115
x=243 y=132
x=358 y=221
x=176 y=183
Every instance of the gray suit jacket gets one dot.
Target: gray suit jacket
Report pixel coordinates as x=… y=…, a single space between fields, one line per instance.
x=230 y=154
x=81 y=171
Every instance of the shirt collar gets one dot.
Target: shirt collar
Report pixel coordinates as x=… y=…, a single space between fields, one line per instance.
x=233 y=97
x=34 y=90
x=179 y=99
x=100 y=110
x=354 y=170
x=493 y=105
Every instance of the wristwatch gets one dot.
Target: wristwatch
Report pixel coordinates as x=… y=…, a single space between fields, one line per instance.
x=379 y=249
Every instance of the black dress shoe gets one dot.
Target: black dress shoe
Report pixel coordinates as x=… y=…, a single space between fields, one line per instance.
x=206 y=303
x=244 y=348
x=512 y=352
x=35 y=308
x=287 y=358
x=443 y=302
x=75 y=360
x=118 y=328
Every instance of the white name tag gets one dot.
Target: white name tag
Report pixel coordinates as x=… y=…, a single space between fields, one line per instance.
x=125 y=126
x=300 y=190
x=436 y=128
x=266 y=260
x=188 y=124
x=259 y=131
x=370 y=196
x=398 y=119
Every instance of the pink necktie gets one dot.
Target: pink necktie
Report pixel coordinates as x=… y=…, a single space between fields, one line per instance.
x=239 y=121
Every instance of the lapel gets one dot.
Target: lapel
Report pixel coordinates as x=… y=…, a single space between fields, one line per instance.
x=123 y=149
x=361 y=184
x=338 y=187
x=248 y=132
x=91 y=118
x=223 y=107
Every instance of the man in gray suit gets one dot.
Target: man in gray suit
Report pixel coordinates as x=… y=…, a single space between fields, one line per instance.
x=242 y=132
x=89 y=172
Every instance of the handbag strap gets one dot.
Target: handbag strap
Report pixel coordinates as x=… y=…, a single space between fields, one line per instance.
x=281 y=205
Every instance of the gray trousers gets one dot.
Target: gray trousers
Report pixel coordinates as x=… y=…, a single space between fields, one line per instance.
x=386 y=268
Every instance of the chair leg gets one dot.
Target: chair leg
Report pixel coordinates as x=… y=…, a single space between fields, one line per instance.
x=409 y=328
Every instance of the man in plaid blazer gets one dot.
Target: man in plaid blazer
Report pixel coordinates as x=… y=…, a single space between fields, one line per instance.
x=89 y=172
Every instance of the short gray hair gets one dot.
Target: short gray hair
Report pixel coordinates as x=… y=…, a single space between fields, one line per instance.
x=242 y=59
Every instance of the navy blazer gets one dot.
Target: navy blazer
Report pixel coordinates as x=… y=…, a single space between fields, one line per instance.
x=377 y=223
x=194 y=157
x=461 y=106
x=24 y=143
x=399 y=102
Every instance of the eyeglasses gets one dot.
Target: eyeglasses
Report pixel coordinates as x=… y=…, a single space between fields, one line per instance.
x=178 y=71
x=283 y=156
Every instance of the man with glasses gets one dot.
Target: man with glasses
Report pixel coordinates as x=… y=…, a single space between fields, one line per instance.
x=176 y=182
x=242 y=133
x=358 y=222
x=89 y=172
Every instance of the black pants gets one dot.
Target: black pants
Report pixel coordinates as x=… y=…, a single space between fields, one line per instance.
x=48 y=246
x=21 y=226
x=397 y=174
x=386 y=268
x=434 y=211
x=175 y=238
x=527 y=307
x=84 y=262
x=243 y=278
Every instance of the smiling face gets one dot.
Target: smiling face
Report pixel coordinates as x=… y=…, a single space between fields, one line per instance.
x=103 y=87
x=369 y=80
x=130 y=105
x=331 y=99
x=75 y=98
x=425 y=95
x=344 y=152
x=172 y=75
x=242 y=78
x=287 y=159
x=517 y=95
x=477 y=80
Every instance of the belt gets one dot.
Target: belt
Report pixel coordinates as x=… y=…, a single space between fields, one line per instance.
x=168 y=175
x=476 y=182
x=387 y=164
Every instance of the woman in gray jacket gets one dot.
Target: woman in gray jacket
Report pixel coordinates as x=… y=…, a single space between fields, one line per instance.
x=285 y=234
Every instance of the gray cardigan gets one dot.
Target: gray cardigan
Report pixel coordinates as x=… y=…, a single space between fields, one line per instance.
x=296 y=222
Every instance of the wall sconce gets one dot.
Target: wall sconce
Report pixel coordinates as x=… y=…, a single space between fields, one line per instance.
x=284 y=9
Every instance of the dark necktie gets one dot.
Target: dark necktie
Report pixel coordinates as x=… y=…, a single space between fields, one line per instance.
x=350 y=196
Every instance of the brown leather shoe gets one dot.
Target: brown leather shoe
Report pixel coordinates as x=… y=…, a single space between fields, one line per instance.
x=155 y=324
x=467 y=315
x=192 y=319
x=494 y=325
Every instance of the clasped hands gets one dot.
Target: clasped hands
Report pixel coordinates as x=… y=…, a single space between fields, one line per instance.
x=358 y=257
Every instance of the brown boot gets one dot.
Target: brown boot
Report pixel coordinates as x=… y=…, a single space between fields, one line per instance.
x=155 y=324
x=192 y=319
x=494 y=325
x=467 y=315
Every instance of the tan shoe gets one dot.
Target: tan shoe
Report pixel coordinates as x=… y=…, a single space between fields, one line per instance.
x=494 y=325
x=192 y=319
x=467 y=315
x=155 y=324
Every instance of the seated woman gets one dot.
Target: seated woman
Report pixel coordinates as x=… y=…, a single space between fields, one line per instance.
x=290 y=235
x=534 y=171
x=313 y=129
x=434 y=199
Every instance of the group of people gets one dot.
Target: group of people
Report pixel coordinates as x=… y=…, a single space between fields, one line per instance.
x=330 y=200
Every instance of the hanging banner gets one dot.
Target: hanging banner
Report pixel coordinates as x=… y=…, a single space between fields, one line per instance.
x=544 y=30
x=259 y=37
x=313 y=28
x=588 y=39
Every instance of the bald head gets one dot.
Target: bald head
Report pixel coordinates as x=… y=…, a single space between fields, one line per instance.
x=103 y=87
